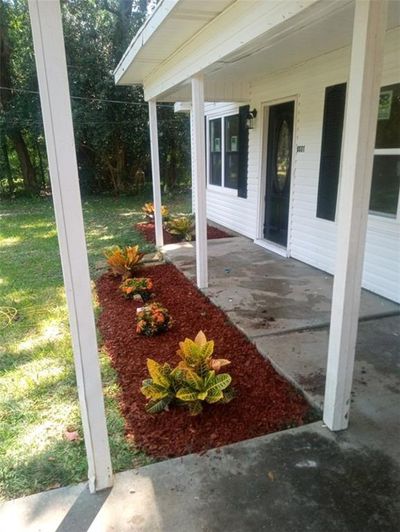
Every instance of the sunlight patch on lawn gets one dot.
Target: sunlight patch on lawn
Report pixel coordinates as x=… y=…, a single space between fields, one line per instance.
x=130 y=213
x=50 y=234
x=10 y=241
x=40 y=435
x=26 y=378
x=52 y=332
x=34 y=342
x=37 y=225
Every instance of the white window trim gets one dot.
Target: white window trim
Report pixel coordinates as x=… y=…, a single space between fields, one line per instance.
x=387 y=151
x=377 y=214
x=219 y=188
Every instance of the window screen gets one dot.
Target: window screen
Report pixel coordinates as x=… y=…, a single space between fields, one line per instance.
x=386 y=170
x=231 y=151
x=215 y=152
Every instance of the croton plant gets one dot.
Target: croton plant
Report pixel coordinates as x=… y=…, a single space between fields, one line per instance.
x=153 y=319
x=141 y=286
x=148 y=211
x=123 y=261
x=194 y=381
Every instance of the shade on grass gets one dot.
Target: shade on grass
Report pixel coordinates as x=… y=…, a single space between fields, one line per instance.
x=38 y=395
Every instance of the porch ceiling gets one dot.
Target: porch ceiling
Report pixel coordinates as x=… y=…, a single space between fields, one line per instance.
x=171 y=24
x=230 y=79
x=321 y=27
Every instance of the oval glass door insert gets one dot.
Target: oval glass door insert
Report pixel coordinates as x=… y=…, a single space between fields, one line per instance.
x=283 y=156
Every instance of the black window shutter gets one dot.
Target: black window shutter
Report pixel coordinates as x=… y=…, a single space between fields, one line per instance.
x=243 y=150
x=205 y=151
x=331 y=146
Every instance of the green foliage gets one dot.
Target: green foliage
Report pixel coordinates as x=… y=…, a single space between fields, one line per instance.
x=159 y=389
x=110 y=122
x=182 y=227
x=21 y=139
x=194 y=381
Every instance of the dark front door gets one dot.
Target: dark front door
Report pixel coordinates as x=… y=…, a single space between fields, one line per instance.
x=279 y=163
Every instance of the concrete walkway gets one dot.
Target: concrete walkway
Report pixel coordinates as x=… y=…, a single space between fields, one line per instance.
x=303 y=479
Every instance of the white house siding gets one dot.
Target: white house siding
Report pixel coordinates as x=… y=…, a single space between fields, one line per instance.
x=224 y=207
x=311 y=240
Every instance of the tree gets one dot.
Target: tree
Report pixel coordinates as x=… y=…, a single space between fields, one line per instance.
x=11 y=104
x=110 y=123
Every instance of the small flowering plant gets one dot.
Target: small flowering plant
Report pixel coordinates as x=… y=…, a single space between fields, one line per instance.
x=152 y=319
x=148 y=211
x=141 y=286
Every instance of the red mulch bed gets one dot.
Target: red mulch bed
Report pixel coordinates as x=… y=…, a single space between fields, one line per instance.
x=148 y=231
x=265 y=402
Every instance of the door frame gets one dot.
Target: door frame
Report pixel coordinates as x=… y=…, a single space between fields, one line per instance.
x=272 y=246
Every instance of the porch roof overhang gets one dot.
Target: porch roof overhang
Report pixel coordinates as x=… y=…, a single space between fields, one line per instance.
x=232 y=43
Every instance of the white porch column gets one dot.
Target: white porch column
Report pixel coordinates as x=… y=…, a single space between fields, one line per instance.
x=51 y=67
x=356 y=170
x=155 y=171
x=199 y=178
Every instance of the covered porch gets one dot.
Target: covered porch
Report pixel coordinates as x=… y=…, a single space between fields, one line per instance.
x=219 y=41
x=219 y=57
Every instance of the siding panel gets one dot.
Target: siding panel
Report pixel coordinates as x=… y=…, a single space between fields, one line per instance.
x=311 y=240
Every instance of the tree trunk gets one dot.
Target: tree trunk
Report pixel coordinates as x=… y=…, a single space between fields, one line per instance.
x=28 y=171
x=6 y=97
x=7 y=165
x=41 y=168
x=172 y=168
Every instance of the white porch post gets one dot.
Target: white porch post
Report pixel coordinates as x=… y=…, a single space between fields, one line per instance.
x=51 y=67
x=155 y=171
x=199 y=178
x=356 y=170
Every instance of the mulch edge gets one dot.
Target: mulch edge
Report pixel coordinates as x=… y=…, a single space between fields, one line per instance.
x=308 y=416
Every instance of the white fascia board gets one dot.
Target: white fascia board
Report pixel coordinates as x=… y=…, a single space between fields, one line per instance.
x=149 y=27
x=236 y=26
x=182 y=107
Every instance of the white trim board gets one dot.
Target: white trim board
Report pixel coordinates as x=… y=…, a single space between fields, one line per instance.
x=271 y=246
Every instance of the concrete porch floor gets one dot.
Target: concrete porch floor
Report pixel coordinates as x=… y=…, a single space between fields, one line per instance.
x=252 y=285
x=302 y=479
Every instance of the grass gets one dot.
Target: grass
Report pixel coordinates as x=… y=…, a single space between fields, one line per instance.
x=38 y=395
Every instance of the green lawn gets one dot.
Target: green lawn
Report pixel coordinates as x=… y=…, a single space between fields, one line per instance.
x=38 y=396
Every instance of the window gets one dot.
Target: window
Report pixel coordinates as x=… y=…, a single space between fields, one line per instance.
x=215 y=152
x=386 y=170
x=231 y=151
x=227 y=152
x=385 y=185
